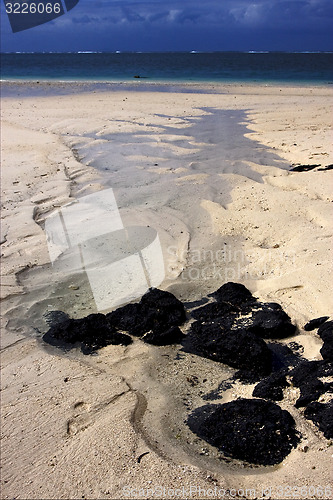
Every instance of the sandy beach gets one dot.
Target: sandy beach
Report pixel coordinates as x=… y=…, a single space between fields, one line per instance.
x=209 y=171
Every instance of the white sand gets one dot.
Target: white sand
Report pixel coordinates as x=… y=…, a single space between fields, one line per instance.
x=202 y=188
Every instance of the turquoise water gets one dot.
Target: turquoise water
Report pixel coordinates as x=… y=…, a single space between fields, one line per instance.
x=171 y=67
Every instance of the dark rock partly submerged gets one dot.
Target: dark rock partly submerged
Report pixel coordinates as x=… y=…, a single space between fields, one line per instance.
x=128 y=318
x=91 y=333
x=156 y=317
x=157 y=311
x=253 y=430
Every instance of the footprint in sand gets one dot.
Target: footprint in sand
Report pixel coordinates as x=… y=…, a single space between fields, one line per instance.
x=80 y=420
x=84 y=414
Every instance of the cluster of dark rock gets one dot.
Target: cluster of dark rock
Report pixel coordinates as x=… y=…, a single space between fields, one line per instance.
x=309 y=377
x=155 y=319
x=232 y=330
x=236 y=329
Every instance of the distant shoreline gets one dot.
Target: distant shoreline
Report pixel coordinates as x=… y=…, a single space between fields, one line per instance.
x=178 y=52
x=43 y=88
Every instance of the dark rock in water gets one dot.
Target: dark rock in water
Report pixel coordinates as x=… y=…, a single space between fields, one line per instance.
x=129 y=318
x=307 y=377
x=303 y=168
x=116 y=338
x=271 y=387
x=254 y=430
x=55 y=317
x=233 y=293
x=327 y=350
x=164 y=307
x=315 y=323
x=237 y=348
x=156 y=311
x=325 y=331
x=172 y=335
x=92 y=332
x=322 y=415
x=271 y=322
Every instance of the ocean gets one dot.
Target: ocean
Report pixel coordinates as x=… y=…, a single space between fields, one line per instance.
x=178 y=67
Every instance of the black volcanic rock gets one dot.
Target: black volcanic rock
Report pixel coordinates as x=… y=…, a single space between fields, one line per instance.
x=304 y=168
x=270 y=321
x=322 y=415
x=164 y=307
x=271 y=387
x=172 y=335
x=315 y=323
x=328 y=167
x=129 y=318
x=253 y=430
x=92 y=332
x=325 y=331
x=327 y=350
x=307 y=377
x=231 y=330
x=212 y=311
x=237 y=348
x=266 y=320
x=157 y=311
x=233 y=293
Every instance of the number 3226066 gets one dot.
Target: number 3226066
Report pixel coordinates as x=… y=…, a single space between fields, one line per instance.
x=33 y=8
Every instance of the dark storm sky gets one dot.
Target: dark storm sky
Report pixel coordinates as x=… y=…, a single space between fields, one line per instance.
x=168 y=25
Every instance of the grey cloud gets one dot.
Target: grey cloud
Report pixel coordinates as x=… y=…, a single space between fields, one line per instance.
x=239 y=12
x=189 y=16
x=132 y=16
x=84 y=19
x=158 y=17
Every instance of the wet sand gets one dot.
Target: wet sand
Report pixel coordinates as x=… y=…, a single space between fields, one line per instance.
x=210 y=173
